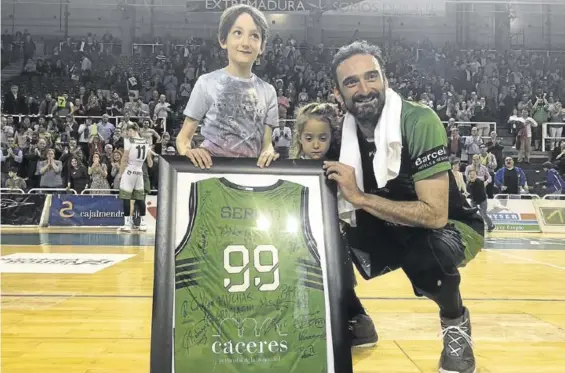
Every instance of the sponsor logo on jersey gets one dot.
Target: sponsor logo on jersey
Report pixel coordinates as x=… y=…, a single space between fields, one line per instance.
x=431 y=158
x=250 y=338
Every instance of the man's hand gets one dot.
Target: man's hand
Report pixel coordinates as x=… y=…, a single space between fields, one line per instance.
x=344 y=175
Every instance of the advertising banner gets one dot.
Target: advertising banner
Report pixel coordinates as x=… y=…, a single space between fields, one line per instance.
x=59 y=262
x=513 y=215
x=86 y=211
x=21 y=209
x=551 y=215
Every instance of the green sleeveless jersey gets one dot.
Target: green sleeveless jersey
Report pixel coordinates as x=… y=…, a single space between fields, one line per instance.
x=249 y=295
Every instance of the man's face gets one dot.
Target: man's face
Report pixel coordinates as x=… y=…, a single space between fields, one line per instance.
x=362 y=86
x=509 y=162
x=15 y=90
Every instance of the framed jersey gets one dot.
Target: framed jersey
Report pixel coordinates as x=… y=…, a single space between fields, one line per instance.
x=250 y=275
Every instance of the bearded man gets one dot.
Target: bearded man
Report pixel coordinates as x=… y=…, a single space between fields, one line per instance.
x=404 y=208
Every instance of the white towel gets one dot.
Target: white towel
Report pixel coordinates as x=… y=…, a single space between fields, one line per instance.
x=388 y=142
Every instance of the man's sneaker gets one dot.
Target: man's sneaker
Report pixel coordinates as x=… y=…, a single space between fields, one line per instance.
x=142 y=227
x=125 y=228
x=457 y=355
x=363 y=332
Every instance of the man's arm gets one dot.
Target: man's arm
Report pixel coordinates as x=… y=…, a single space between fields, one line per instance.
x=430 y=211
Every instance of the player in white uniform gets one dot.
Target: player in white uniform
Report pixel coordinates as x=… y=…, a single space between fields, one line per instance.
x=136 y=151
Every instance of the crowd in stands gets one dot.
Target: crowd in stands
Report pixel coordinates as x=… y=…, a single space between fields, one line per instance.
x=63 y=117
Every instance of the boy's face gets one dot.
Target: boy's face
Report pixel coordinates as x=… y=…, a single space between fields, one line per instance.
x=12 y=174
x=472 y=175
x=244 y=42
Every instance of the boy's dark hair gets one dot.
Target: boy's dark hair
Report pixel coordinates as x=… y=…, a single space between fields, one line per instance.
x=355 y=48
x=231 y=14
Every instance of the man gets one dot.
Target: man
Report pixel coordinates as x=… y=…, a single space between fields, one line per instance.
x=510 y=179
x=404 y=224
x=554 y=183
x=132 y=188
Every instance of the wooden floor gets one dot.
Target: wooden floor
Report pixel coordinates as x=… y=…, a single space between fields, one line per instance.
x=100 y=322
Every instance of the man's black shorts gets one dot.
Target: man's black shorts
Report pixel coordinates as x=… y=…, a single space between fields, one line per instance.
x=378 y=247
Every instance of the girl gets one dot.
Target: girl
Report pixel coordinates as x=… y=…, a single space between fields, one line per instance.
x=236 y=108
x=315 y=137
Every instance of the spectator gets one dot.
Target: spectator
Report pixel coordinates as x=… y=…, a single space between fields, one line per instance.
x=282 y=137
x=455 y=166
x=473 y=143
x=14 y=102
x=14 y=181
x=510 y=179
x=476 y=190
x=78 y=175
x=98 y=174
x=557 y=115
x=489 y=161
x=495 y=147
x=50 y=171
x=11 y=156
x=481 y=170
x=554 y=183
x=525 y=136
x=105 y=128
x=115 y=173
x=558 y=157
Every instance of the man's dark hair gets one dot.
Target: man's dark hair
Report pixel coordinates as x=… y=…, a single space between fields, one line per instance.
x=355 y=48
x=231 y=14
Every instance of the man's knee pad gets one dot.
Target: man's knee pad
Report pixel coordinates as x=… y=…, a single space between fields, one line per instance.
x=435 y=283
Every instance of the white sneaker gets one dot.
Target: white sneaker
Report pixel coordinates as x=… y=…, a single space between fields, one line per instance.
x=126 y=228
x=142 y=227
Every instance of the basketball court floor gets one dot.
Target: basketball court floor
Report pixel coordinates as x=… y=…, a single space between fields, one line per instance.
x=98 y=319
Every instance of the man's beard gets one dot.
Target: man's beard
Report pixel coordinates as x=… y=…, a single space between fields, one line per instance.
x=367 y=108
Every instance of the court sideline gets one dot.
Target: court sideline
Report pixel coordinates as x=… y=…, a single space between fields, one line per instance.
x=100 y=321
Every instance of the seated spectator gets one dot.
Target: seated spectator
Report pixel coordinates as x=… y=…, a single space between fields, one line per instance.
x=558 y=157
x=50 y=171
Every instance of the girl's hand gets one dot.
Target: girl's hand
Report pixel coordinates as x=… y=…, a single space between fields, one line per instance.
x=267 y=157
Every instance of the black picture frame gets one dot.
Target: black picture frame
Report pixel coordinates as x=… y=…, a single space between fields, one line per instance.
x=337 y=263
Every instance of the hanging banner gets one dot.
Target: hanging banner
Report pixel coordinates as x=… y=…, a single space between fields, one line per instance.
x=86 y=211
x=21 y=209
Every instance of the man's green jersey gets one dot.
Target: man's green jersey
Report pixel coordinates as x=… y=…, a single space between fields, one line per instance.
x=424 y=155
x=249 y=293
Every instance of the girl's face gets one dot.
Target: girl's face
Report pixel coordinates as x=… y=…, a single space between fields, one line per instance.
x=315 y=139
x=95 y=158
x=117 y=157
x=244 y=42
x=74 y=162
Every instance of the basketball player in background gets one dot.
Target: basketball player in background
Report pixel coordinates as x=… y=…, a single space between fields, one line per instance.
x=136 y=151
x=407 y=223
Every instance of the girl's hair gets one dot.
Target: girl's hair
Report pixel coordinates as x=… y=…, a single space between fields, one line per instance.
x=324 y=112
x=231 y=14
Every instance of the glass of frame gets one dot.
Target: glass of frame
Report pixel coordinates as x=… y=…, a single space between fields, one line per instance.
x=250 y=275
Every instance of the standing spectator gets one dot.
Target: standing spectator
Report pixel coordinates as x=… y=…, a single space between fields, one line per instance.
x=14 y=103
x=525 y=137
x=495 y=147
x=476 y=189
x=170 y=82
x=11 y=157
x=510 y=179
x=489 y=161
x=50 y=171
x=28 y=49
x=105 y=128
x=554 y=183
x=78 y=176
x=473 y=143
x=98 y=174
x=482 y=114
x=115 y=172
x=557 y=115
x=162 y=110
x=455 y=166
x=282 y=137
x=455 y=143
x=482 y=171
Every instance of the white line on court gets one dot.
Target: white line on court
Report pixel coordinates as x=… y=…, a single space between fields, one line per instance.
x=499 y=252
